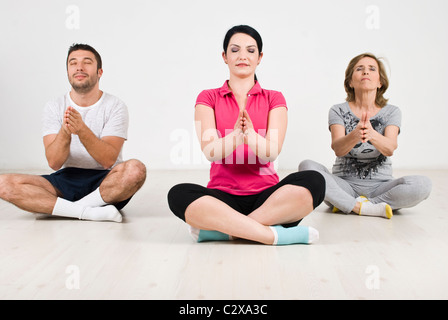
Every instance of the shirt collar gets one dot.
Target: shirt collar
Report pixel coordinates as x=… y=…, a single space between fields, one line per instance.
x=224 y=90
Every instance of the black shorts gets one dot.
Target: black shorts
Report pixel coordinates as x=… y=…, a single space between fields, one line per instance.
x=182 y=195
x=76 y=183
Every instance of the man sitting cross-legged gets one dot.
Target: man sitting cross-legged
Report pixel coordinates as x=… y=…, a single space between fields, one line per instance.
x=83 y=133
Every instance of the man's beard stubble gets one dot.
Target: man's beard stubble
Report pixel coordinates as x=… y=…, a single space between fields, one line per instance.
x=85 y=87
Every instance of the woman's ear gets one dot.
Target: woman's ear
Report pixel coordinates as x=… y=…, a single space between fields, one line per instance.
x=224 y=56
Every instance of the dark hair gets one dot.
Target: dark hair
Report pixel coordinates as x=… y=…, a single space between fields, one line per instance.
x=246 y=30
x=86 y=47
x=243 y=29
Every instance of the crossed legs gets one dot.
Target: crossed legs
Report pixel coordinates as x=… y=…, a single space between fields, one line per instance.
x=36 y=194
x=270 y=217
x=391 y=195
x=286 y=205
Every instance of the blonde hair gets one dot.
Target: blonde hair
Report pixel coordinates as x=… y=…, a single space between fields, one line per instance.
x=379 y=100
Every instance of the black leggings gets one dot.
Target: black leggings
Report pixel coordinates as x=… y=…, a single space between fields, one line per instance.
x=182 y=195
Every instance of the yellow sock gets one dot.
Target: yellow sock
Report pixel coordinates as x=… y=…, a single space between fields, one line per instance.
x=389 y=213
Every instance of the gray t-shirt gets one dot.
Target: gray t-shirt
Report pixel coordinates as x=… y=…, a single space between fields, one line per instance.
x=364 y=161
x=107 y=117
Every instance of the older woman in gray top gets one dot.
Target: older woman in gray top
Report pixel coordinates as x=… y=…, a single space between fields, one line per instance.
x=364 y=132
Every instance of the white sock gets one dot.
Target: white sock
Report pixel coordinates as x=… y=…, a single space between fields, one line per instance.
x=106 y=213
x=313 y=235
x=376 y=209
x=93 y=199
x=65 y=208
x=362 y=199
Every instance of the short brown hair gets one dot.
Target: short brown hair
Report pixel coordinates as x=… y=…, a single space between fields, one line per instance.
x=86 y=47
x=379 y=100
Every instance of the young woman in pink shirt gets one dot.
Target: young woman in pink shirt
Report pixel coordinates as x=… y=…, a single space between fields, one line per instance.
x=241 y=128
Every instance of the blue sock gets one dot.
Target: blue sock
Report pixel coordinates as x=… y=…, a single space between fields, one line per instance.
x=208 y=235
x=297 y=234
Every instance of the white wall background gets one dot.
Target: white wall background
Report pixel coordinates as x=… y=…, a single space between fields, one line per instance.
x=158 y=55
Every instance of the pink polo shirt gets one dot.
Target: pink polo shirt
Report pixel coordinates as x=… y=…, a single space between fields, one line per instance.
x=241 y=173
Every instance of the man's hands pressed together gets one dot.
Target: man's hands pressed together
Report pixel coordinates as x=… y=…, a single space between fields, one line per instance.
x=73 y=121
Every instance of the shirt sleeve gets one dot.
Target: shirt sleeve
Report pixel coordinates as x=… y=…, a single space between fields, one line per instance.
x=51 y=119
x=277 y=100
x=394 y=118
x=335 y=116
x=207 y=98
x=118 y=122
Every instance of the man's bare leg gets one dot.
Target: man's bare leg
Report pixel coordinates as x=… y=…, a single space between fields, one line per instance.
x=123 y=181
x=120 y=184
x=36 y=194
x=31 y=193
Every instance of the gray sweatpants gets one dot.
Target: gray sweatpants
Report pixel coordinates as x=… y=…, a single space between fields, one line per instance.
x=404 y=192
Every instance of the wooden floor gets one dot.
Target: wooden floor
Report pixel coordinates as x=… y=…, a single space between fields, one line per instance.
x=152 y=256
